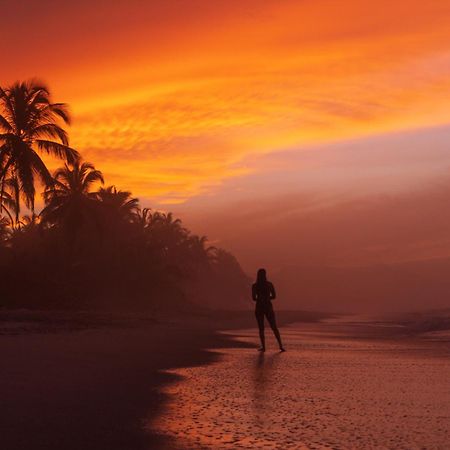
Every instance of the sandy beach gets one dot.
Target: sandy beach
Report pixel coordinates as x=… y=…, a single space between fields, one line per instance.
x=176 y=175
x=346 y=383
x=90 y=388
x=93 y=381
x=107 y=382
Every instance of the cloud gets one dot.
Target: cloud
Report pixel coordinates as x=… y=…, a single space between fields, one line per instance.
x=175 y=98
x=352 y=202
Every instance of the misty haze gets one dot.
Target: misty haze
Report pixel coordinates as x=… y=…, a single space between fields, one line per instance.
x=224 y=225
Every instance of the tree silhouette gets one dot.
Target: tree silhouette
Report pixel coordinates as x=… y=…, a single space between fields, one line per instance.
x=12 y=187
x=119 y=202
x=9 y=201
x=141 y=219
x=31 y=124
x=69 y=200
x=91 y=245
x=4 y=229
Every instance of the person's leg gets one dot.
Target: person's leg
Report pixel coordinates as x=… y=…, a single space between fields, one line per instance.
x=260 y=319
x=270 y=314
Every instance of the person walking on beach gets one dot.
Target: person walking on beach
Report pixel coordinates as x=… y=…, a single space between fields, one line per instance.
x=263 y=293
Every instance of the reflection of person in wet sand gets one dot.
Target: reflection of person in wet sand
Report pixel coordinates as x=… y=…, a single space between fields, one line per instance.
x=265 y=384
x=263 y=293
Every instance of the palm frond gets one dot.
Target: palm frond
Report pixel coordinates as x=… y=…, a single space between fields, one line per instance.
x=50 y=130
x=12 y=184
x=61 y=110
x=36 y=86
x=8 y=106
x=30 y=121
x=7 y=200
x=59 y=150
x=38 y=94
x=4 y=124
x=94 y=176
x=25 y=173
x=8 y=137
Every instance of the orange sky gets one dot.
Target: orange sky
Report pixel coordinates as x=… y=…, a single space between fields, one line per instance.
x=170 y=97
x=178 y=100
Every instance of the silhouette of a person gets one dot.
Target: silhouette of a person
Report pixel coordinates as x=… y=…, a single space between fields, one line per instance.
x=263 y=293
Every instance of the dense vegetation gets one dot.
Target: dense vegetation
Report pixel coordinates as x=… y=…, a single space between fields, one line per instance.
x=90 y=246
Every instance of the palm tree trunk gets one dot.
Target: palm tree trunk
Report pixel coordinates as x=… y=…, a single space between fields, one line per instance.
x=2 y=177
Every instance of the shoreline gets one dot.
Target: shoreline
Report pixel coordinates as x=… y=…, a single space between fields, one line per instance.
x=74 y=380
x=344 y=383
x=83 y=380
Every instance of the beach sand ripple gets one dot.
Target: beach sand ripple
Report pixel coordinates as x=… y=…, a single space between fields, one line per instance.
x=337 y=387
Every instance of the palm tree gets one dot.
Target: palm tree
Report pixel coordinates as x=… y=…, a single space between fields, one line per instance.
x=141 y=219
x=5 y=230
x=26 y=233
x=166 y=222
x=12 y=198
x=69 y=199
x=8 y=203
x=8 y=197
x=200 y=253
x=119 y=202
x=31 y=124
x=166 y=231
x=29 y=222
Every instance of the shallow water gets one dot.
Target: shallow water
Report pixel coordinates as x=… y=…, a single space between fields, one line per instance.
x=338 y=386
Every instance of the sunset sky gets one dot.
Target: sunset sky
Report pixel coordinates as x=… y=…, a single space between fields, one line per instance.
x=224 y=111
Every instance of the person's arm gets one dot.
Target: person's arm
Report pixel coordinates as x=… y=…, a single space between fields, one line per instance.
x=254 y=293
x=273 y=294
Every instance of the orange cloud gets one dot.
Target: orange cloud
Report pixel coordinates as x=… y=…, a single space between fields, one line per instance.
x=170 y=98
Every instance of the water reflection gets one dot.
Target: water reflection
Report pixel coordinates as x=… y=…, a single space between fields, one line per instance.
x=264 y=382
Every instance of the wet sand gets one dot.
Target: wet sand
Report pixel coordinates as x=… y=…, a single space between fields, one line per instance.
x=90 y=389
x=85 y=381
x=346 y=383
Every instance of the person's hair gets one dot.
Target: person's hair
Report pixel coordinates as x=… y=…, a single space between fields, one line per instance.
x=261 y=276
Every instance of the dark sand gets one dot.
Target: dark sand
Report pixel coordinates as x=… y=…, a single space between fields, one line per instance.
x=348 y=383
x=93 y=382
